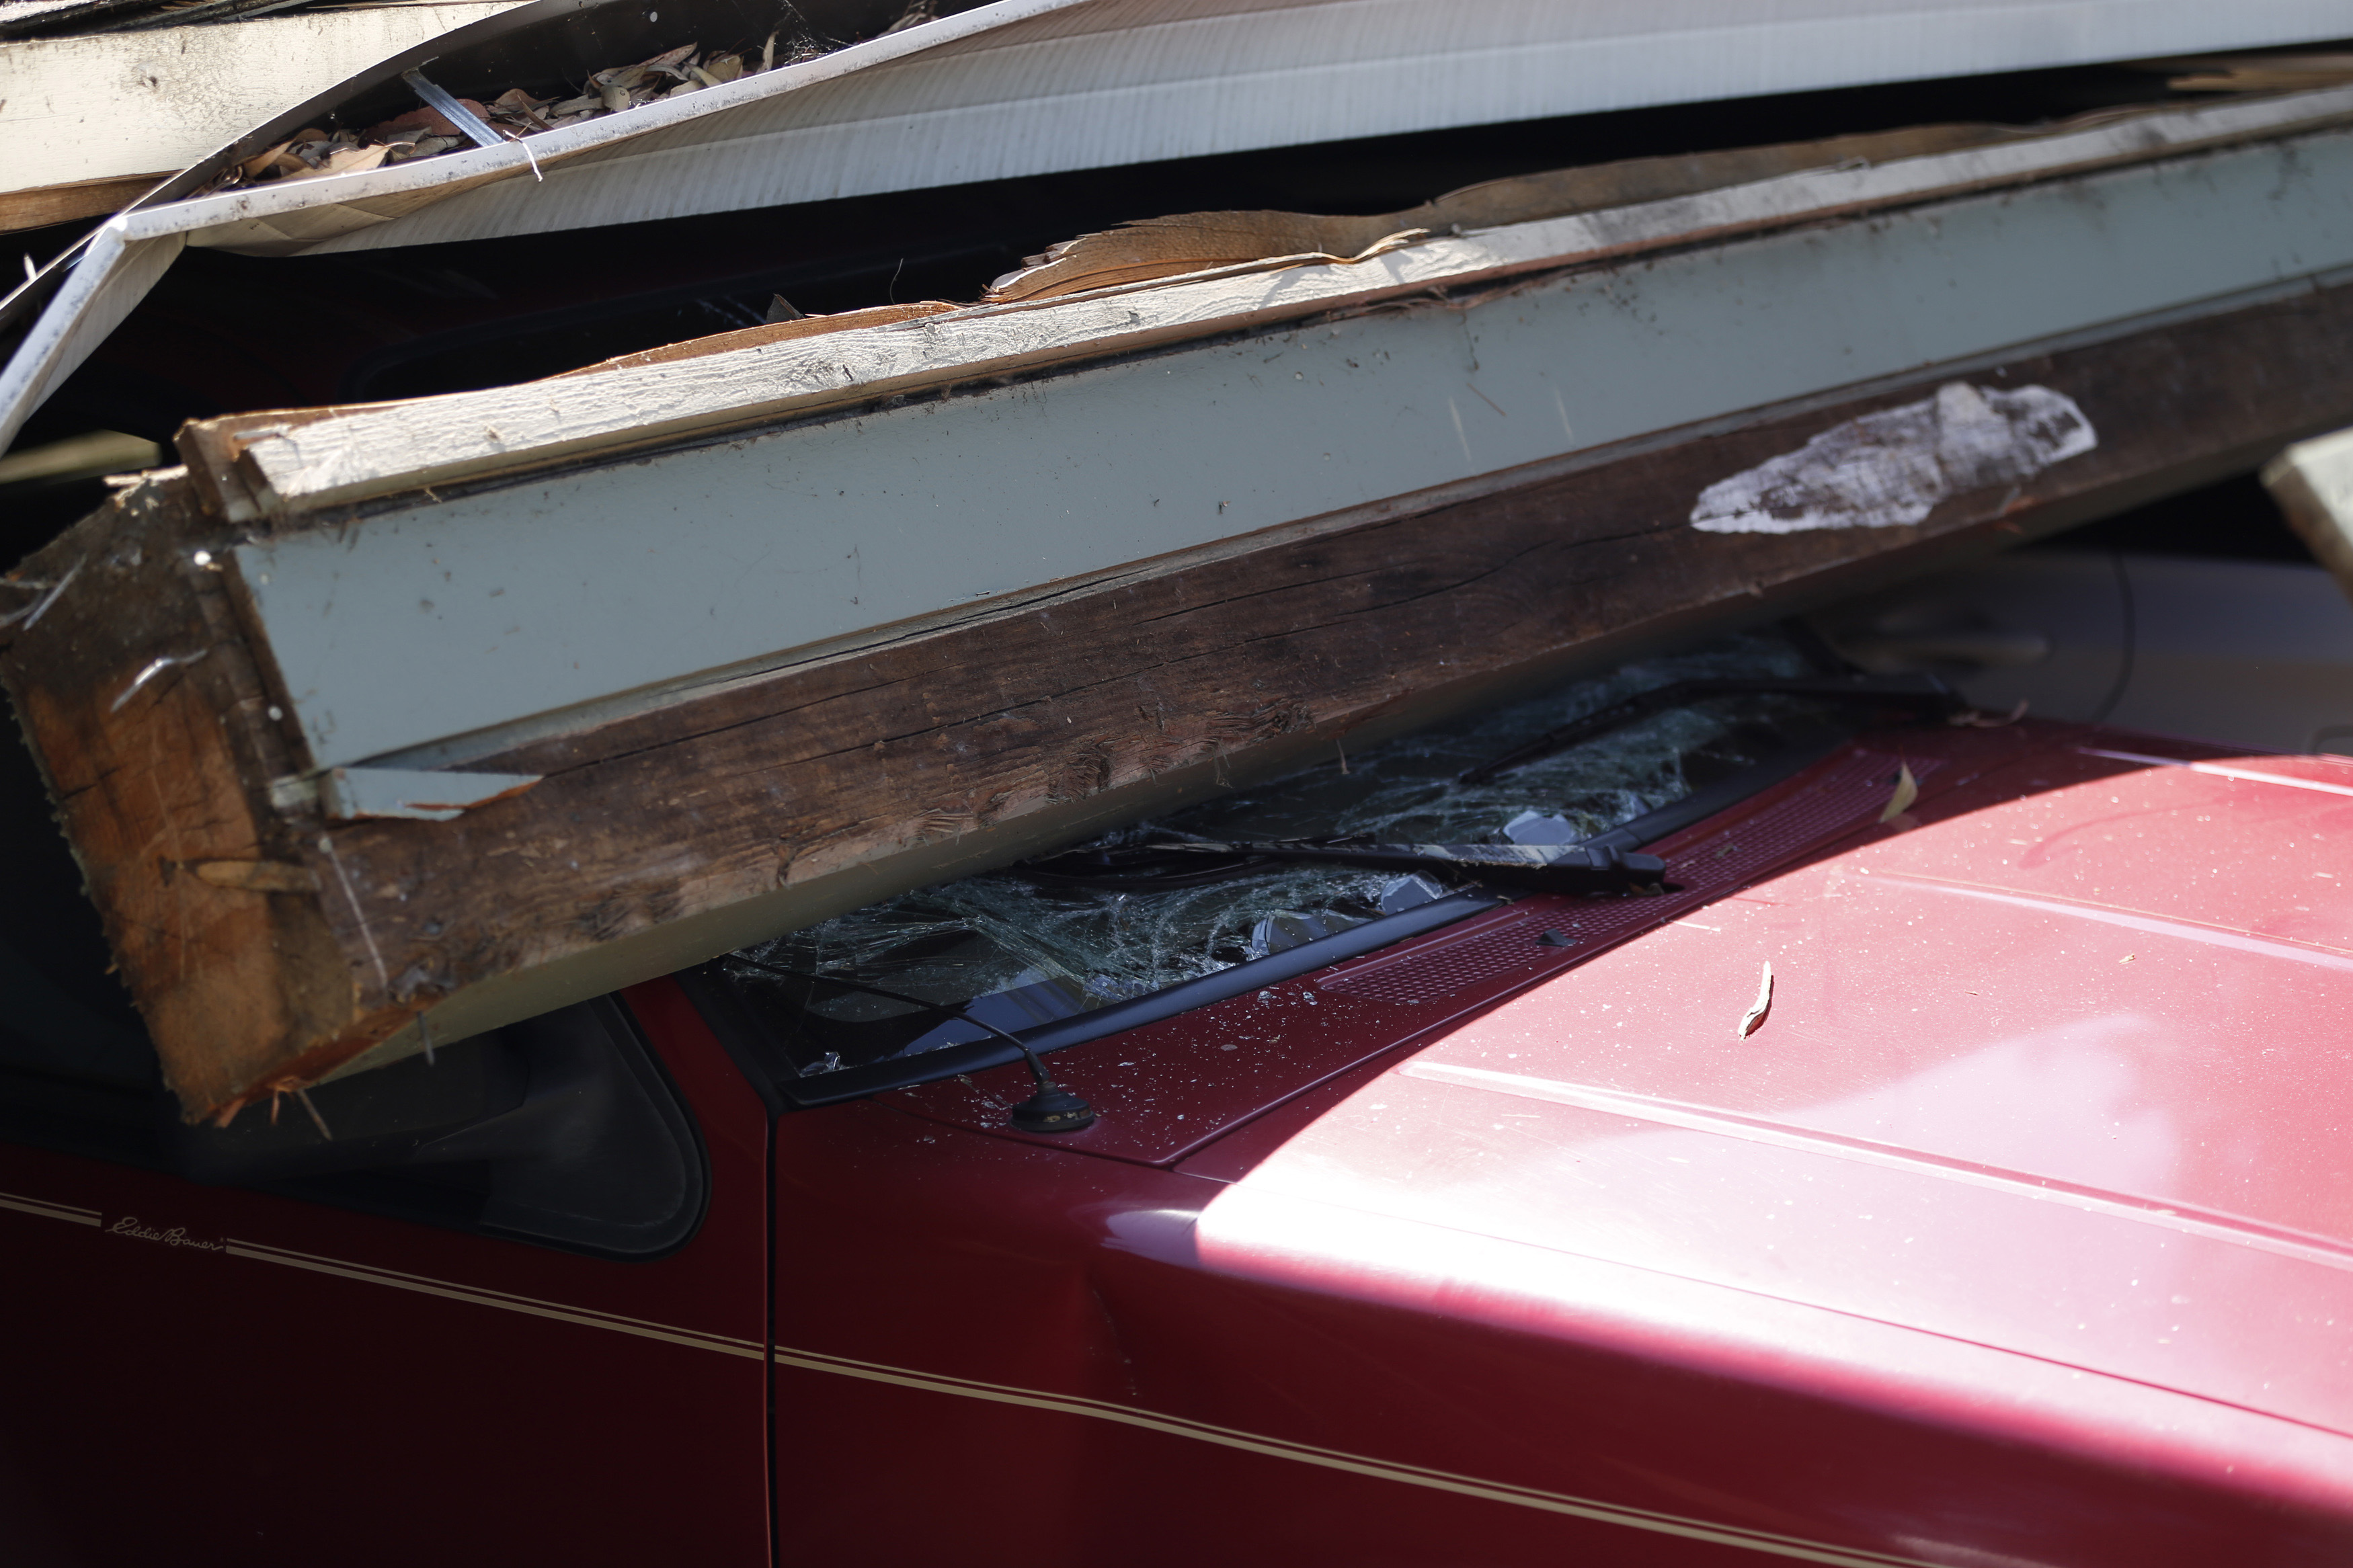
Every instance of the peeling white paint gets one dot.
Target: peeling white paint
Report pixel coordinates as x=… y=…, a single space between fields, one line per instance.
x=1891 y=468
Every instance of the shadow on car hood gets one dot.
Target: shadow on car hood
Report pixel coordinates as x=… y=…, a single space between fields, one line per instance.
x=2060 y=1070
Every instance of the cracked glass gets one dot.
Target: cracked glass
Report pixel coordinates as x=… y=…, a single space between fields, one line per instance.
x=1016 y=953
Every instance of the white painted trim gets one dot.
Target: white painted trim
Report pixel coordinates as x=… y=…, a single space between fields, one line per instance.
x=104 y=106
x=107 y=280
x=1028 y=87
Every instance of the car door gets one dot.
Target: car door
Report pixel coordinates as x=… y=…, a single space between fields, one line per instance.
x=469 y=1352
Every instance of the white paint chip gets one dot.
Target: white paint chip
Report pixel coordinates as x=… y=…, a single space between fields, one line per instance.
x=1891 y=468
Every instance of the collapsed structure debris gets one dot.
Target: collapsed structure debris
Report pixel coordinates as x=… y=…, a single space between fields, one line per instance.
x=386 y=723
x=361 y=747
x=999 y=91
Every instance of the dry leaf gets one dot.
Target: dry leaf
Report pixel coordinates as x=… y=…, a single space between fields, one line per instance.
x=345 y=161
x=1908 y=790
x=431 y=121
x=723 y=68
x=1759 y=1008
x=261 y=164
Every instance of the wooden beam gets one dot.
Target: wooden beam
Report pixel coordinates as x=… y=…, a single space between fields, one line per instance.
x=674 y=833
x=44 y=204
x=152 y=729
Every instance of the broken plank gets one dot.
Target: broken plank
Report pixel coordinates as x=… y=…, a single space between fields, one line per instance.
x=292 y=463
x=150 y=728
x=43 y=204
x=675 y=832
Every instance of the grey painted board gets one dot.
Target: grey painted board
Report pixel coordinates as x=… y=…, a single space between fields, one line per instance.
x=423 y=623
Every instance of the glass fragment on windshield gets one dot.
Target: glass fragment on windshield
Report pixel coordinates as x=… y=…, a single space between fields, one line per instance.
x=1018 y=953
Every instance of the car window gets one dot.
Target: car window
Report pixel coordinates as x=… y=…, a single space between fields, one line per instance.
x=1027 y=955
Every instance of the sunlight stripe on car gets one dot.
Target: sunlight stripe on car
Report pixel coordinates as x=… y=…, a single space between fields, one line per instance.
x=2220 y=771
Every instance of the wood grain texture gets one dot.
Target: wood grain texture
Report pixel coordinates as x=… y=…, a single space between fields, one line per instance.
x=684 y=830
x=45 y=205
x=160 y=785
x=772 y=333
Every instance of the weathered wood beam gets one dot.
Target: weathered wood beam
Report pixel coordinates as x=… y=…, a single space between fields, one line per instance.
x=683 y=830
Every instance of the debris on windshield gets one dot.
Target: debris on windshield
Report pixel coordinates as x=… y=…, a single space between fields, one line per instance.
x=1908 y=790
x=1764 y=1003
x=1136 y=912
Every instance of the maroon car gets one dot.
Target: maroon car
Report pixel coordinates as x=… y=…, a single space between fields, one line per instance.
x=1730 y=1110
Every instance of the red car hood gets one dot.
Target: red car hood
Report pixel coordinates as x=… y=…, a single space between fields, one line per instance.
x=2066 y=1070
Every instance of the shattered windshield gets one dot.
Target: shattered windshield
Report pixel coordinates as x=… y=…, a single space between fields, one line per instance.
x=1016 y=952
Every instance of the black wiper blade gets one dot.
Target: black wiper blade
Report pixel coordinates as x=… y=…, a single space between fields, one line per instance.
x=1052 y=1108
x=1923 y=693
x=1545 y=868
x=1593 y=867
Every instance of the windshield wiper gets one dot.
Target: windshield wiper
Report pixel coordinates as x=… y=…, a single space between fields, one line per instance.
x=1173 y=862
x=1582 y=867
x=1923 y=693
x=1052 y=1108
